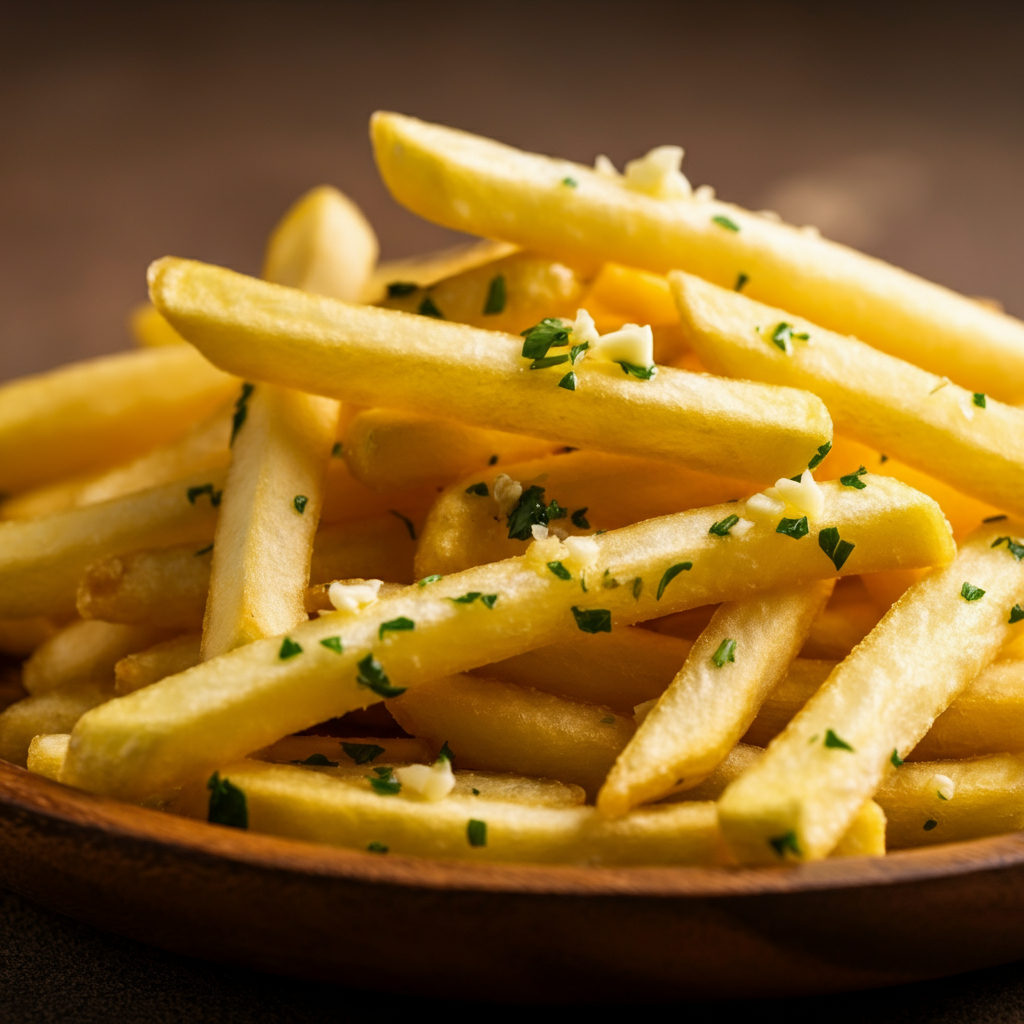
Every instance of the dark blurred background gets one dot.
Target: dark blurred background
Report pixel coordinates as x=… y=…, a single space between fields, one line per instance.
x=133 y=131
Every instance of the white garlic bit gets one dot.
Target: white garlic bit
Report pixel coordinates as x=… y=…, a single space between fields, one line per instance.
x=548 y=549
x=605 y=167
x=539 y=531
x=704 y=193
x=350 y=597
x=430 y=781
x=658 y=174
x=764 y=506
x=943 y=785
x=583 y=551
x=631 y=343
x=967 y=408
x=507 y=492
x=806 y=496
x=584 y=332
x=741 y=528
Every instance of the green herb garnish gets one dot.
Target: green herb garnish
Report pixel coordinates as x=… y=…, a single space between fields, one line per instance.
x=576 y=352
x=741 y=280
x=399 y=625
x=408 y=523
x=897 y=761
x=478 y=489
x=995 y=519
x=640 y=372
x=194 y=493
x=384 y=782
x=833 y=742
x=724 y=222
x=593 y=620
x=539 y=338
x=568 y=381
x=783 y=336
x=332 y=643
x=241 y=410
x=495 y=296
x=723 y=526
x=836 y=549
x=546 y=361
x=570 y=182
x=289 y=648
x=318 y=761
x=608 y=720
x=528 y=512
x=969 y=592
x=670 y=574
x=338 y=450
x=427 y=580
x=399 y=288
x=785 y=844
x=445 y=753
x=1017 y=550
x=488 y=600
x=300 y=501
x=854 y=479
x=362 y=753
x=726 y=652
x=930 y=824
x=428 y=308
x=560 y=570
x=466 y=598
x=476 y=832
x=795 y=528
x=823 y=450
x=1016 y=614
x=579 y=519
x=204 y=551
x=227 y=803
x=638 y=586
x=979 y=399
x=373 y=677
x=376 y=847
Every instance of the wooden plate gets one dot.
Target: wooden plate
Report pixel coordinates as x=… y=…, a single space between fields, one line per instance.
x=509 y=932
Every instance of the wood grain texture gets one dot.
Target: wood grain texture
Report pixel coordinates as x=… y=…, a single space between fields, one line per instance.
x=516 y=933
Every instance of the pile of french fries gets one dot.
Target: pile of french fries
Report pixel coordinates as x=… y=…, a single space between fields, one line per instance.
x=539 y=549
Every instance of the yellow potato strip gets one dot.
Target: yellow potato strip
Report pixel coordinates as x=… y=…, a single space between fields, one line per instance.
x=735 y=663
x=473 y=184
x=227 y=707
x=371 y=356
x=873 y=397
x=883 y=698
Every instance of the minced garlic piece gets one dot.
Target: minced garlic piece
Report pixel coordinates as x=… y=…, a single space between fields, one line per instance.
x=658 y=174
x=967 y=408
x=550 y=549
x=583 y=551
x=350 y=597
x=943 y=785
x=764 y=506
x=507 y=492
x=631 y=343
x=584 y=331
x=539 y=531
x=741 y=527
x=432 y=782
x=704 y=193
x=605 y=167
x=806 y=495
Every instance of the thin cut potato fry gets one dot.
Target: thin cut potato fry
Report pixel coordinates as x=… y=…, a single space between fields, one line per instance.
x=150 y=329
x=168 y=658
x=85 y=652
x=386 y=449
x=836 y=631
x=20 y=637
x=42 y=560
x=56 y=711
x=508 y=728
x=636 y=295
x=374 y=356
x=347 y=499
x=364 y=750
x=598 y=491
x=971 y=442
x=875 y=706
x=102 y=412
x=46 y=754
x=228 y=707
x=736 y=662
x=473 y=184
x=292 y=801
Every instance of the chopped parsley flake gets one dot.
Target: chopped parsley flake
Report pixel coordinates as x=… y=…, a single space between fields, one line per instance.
x=476 y=792
x=476 y=832
x=608 y=720
x=883 y=458
x=854 y=479
x=204 y=551
x=338 y=450
x=638 y=586
x=560 y=570
x=568 y=381
x=593 y=620
x=318 y=761
x=384 y=782
x=640 y=372
x=724 y=222
x=823 y=450
x=785 y=844
x=783 y=336
x=834 y=742
x=495 y=296
x=546 y=361
x=466 y=598
x=1016 y=614
x=300 y=501
x=795 y=528
x=539 y=338
x=493 y=460
x=897 y=761
x=362 y=753
x=241 y=410
x=994 y=519
x=969 y=592
x=608 y=581
x=979 y=399
x=373 y=677
x=576 y=352
x=428 y=308
x=399 y=288
x=376 y=847
x=579 y=518
x=670 y=574
x=399 y=625
x=528 y=512
x=570 y=182
x=289 y=648
x=1017 y=550
x=445 y=753
x=930 y=824
x=478 y=489
x=555 y=511
x=427 y=580
x=332 y=643
x=836 y=549
x=741 y=280
x=726 y=652
x=723 y=526
x=938 y=793
x=227 y=803
x=408 y=523
x=194 y=493
x=488 y=600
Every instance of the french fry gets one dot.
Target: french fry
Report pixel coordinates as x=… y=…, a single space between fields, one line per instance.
x=466 y=527
x=736 y=662
x=511 y=294
x=973 y=443
x=364 y=750
x=381 y=548
x=324 y=245
x=20 y=637
x=303 y=804
x=150 y=330
x=56 y=711
x=836 y=631
x=92 y=415
x=473 y=184
x=46 y=754
x=504 y=727
x=619 y=669
x=804 y=678
x=372 y=356
x=42 y=560
x=84 y=652
x=188 y=724
x=635 y=295
x=347 y=499
x=875 y=706
x=167 y=658
x=386 y=449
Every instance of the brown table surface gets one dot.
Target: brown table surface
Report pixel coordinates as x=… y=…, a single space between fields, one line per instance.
x=133 y=131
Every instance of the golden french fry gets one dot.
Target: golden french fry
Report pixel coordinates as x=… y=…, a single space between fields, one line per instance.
x=92 y=415
x=20 y=637
x=802 y=681
x=324 y=245
x=466 y=526
x=375 y=356
x=56 y=711
x=181 y=727
x=167 y=658
x=504 y=727
x=42 y=560
x=386 y=449
x=510 y=294
x=304 y=804
x=46 y=754
x=836 y=631
x=736 y=662
x=85 y=652
x=635 y=295
x=150 y=329
x=473 y=184
x=973 y=443
x=363 y=750
x=347 y=499
x=875 y=706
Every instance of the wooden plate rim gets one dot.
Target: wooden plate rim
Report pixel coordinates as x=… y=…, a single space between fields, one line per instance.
x=26 y=795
